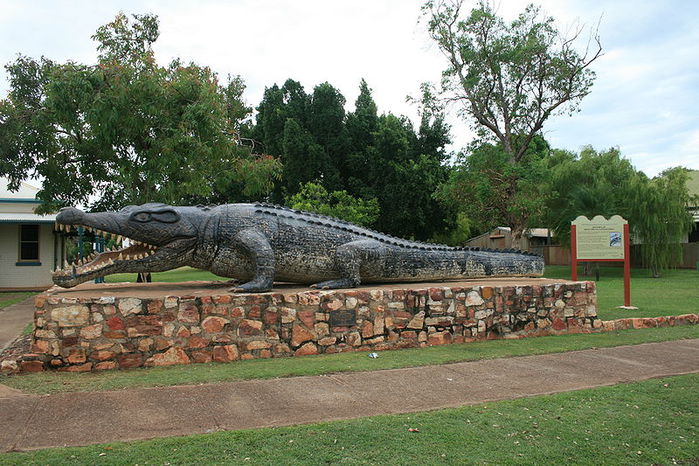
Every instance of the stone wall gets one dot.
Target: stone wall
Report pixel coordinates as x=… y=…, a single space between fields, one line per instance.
x=83 y=334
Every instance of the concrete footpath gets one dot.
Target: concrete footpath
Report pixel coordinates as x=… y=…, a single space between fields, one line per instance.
x=13 y=319
x=31 y=422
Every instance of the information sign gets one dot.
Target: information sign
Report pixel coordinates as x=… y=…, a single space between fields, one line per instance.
x=601 y=240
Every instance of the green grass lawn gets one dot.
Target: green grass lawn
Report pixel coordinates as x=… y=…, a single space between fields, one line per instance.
x=52 y=382
x=676 y=292
x=182 y=274
x=651 y=422
x=13 y=297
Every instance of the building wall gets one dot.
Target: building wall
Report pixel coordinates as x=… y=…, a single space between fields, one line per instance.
x=28 y=276
x=18 y=207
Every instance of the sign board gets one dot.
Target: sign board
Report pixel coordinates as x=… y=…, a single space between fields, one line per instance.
x=343 y=318
x=600 y=238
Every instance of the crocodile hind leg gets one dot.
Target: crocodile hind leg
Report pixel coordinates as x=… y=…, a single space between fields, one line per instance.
x=349 y=259
x=257 y=248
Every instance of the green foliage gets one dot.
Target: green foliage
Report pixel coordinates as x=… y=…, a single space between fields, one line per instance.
x=315 y=198
x=509 y=78
x=604 y=183
x=661 y=219
x=367 y=155
x=593 y=183
x=126 y=130
x=492 y=191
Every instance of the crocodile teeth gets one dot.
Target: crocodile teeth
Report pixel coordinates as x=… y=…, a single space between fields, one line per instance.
x=120 y=257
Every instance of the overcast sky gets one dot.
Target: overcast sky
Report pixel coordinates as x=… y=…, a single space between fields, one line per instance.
x=645 y=99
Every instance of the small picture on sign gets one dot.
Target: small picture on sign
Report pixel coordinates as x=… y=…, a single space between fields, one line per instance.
x=615 y=239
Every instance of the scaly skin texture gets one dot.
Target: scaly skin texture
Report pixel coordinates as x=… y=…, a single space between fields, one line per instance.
x=261 y=243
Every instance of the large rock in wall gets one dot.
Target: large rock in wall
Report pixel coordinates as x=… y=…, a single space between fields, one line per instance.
x=84 y=334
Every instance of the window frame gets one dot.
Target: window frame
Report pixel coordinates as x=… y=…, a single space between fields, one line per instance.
x=20 y=260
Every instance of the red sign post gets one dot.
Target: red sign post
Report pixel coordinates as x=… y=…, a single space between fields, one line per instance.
x=601 y=240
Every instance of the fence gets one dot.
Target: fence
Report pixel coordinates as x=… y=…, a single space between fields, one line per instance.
x=560 y=255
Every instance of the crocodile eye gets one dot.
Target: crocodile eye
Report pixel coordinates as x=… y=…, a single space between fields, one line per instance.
x=166 y=216
x=142 y=217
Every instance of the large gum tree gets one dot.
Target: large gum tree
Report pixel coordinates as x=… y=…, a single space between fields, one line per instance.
x=509 y=78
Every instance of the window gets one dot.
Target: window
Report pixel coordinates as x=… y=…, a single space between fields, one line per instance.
x=28 y=243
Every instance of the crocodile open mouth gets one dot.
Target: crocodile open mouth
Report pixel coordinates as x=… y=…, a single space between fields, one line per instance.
x=99 y=264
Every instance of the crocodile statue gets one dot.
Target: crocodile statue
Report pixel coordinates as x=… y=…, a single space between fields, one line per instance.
x=260 y=243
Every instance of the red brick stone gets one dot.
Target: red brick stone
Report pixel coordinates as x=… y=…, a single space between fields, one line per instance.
x=258 y=344
x=32 y=366
x=559 y=324
x=91 y=332
x=154 y=306
x=439 y=338
x=307 y=317
x=367 y=329
x=265 y=354
x=171 y=357
x=115 y=323
x=201 y=356
x=306 y=349
x=249 y=327
x=162 y=343
x=105 y=365
x=223 y=299
x=271 y=317
x=144 y=330
x=183 y=332
x=408 y=334
x=102 y=355
x=112 y=334
x=255 y=312
x=76 y=356
x=354 y=339
x=300 y=334
x=40 y=346
x=225 y=353
x=214 y=324
x=282 y=348
x=196 y=341
x=39 y=300
x=127 y=361
x=436 y=294
x=87 y=367
x=188 y=313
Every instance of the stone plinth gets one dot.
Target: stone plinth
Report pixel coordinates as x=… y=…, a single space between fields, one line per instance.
x=97 y=327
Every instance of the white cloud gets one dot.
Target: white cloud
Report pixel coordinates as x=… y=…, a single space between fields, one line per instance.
x=644 y=100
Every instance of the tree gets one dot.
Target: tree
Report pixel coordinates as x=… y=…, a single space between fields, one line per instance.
x=303 y=159
x=591 y=183
x=604 y=183
x=126 y=130
x=509 y=78
x=493 y=192
x=361 y=126
x=661 y=219
x=314 y=197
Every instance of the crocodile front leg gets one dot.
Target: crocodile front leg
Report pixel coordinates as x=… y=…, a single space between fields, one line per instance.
x=256 y=247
